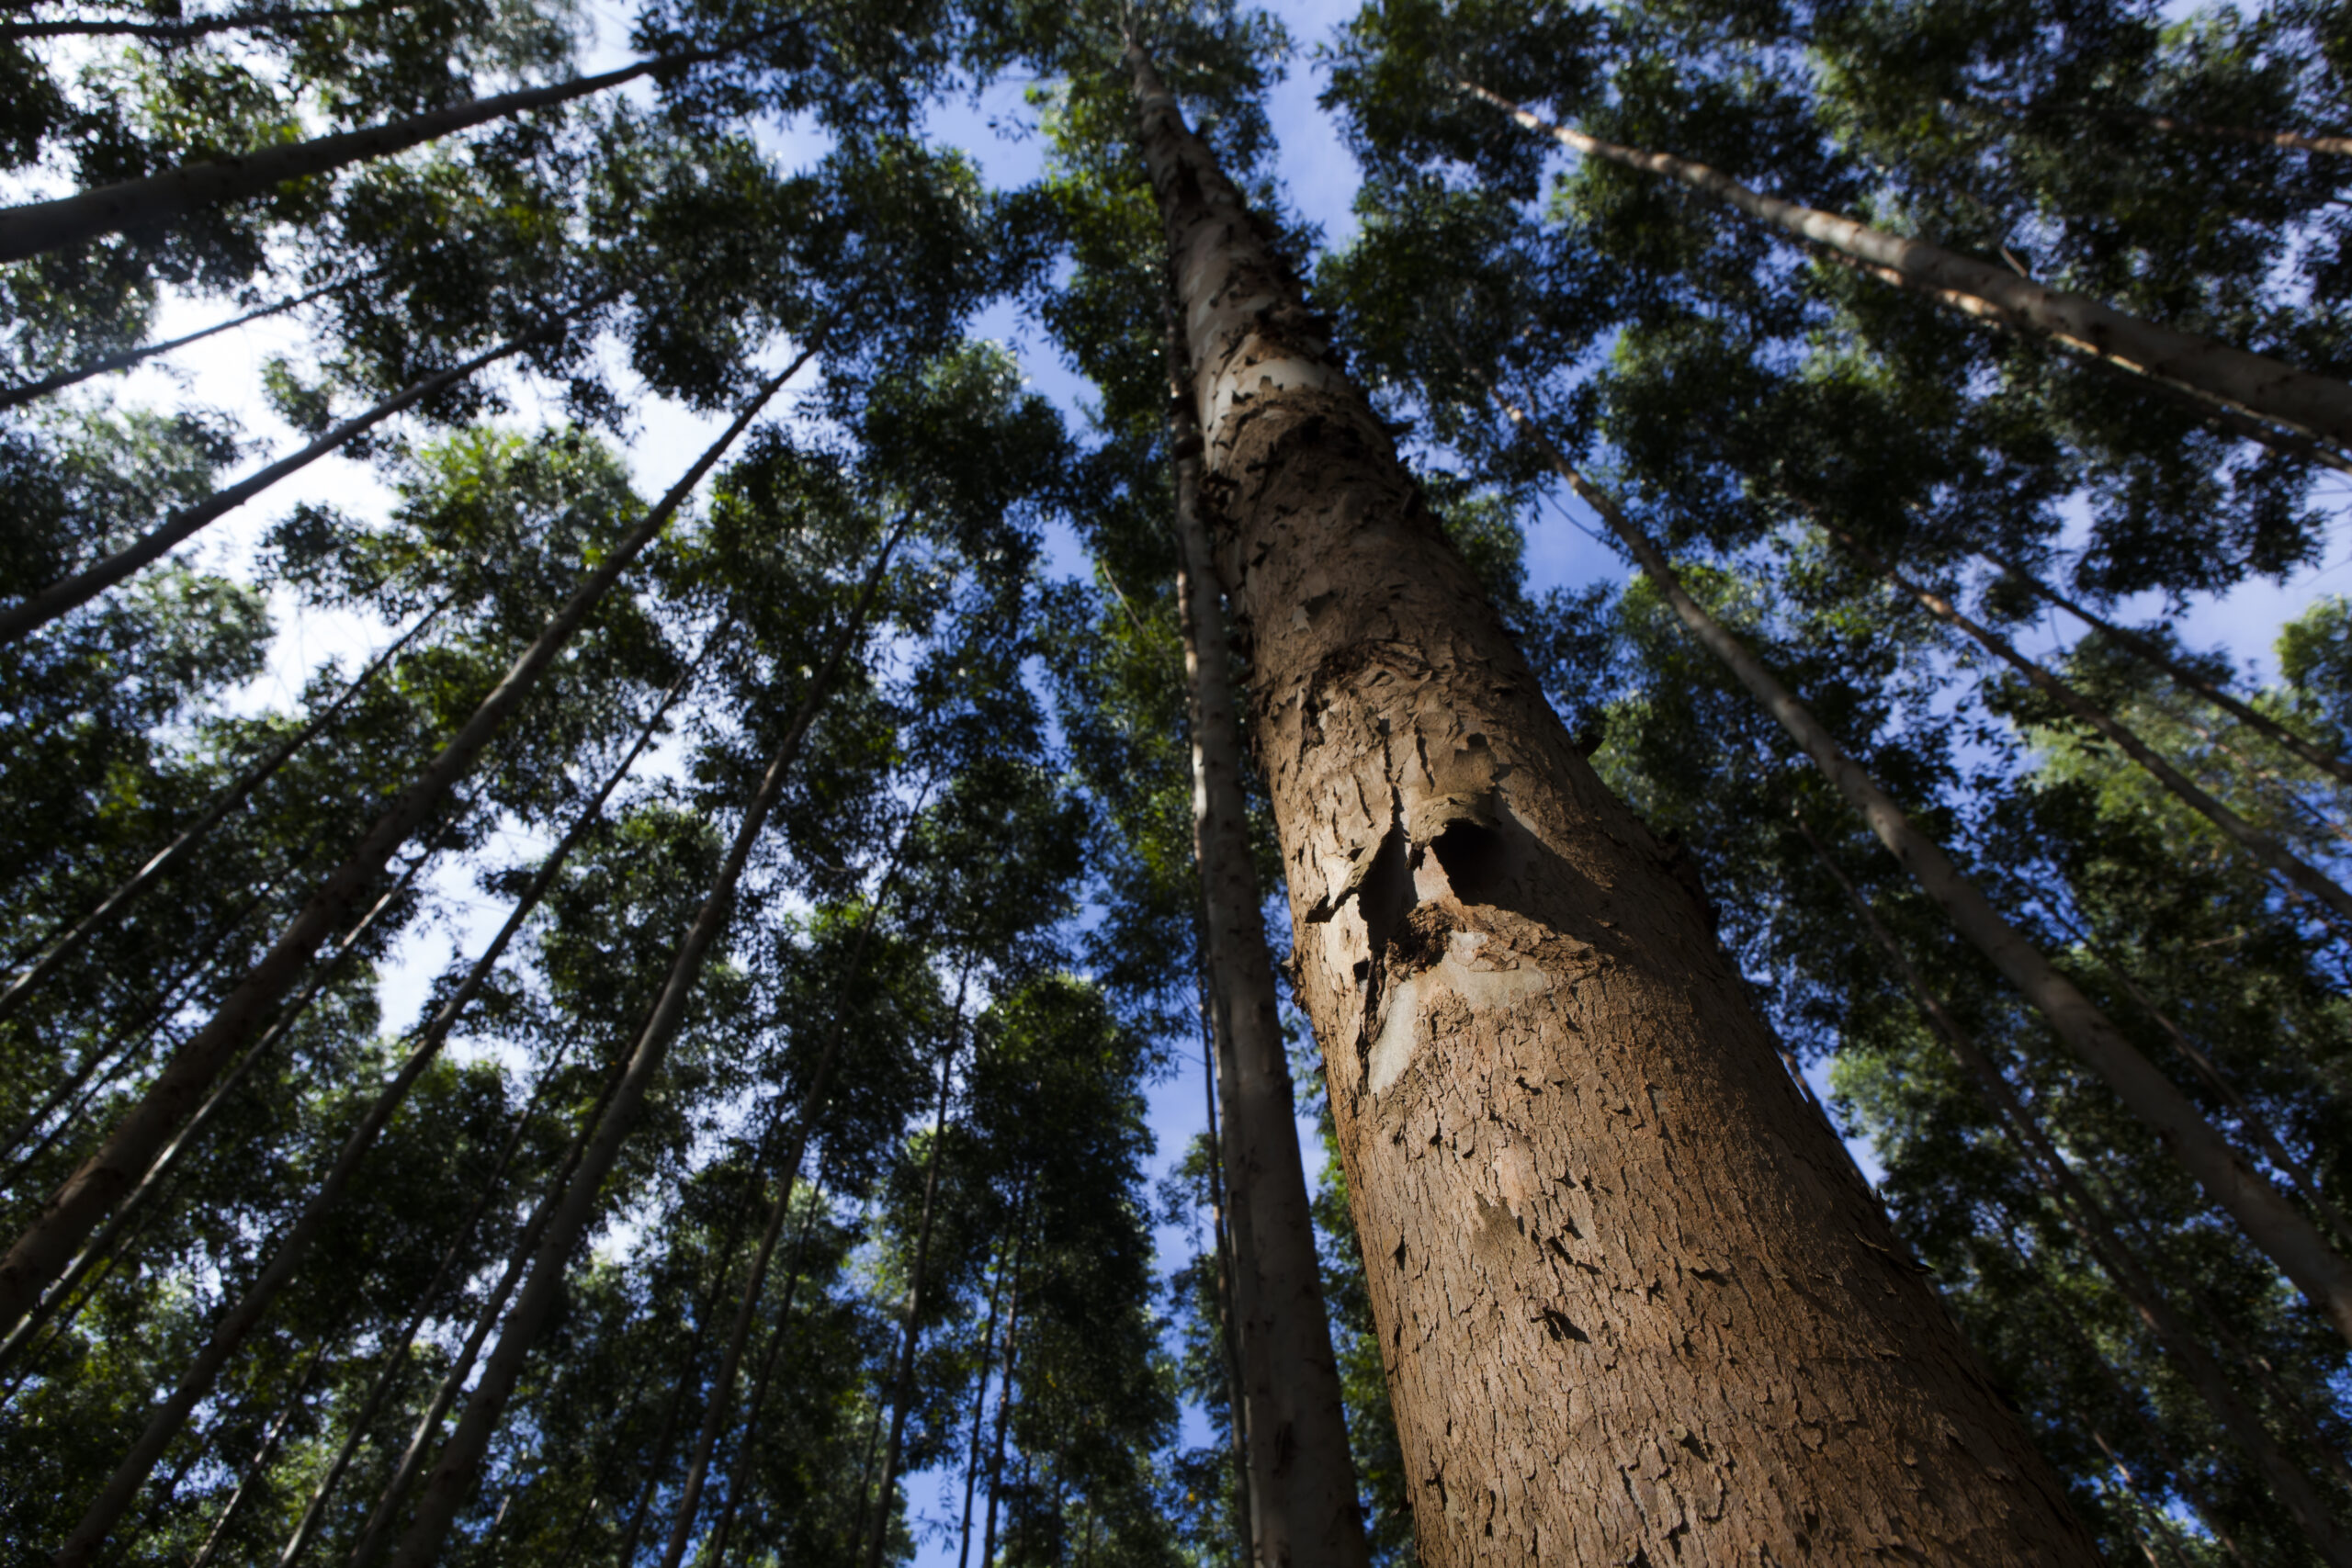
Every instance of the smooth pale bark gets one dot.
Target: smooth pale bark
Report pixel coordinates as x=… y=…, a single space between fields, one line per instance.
x=76 y=1209
x=902 y=1392
x=70 y=941
x=157 y=201
x=45 y=604
x=231 y=1329
x=2231 y=1181
x=2319 y=406
x=2151 y=651
x=152 y=1179
x=1630 y=1295
x=1302 y=1479
x=452 y=1476
x=2289 y=865
x=26 y=391
x=2091 y=1224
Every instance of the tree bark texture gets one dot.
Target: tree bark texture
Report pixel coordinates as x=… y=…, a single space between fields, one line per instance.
x=1302 y=1477
x=2320 y=406
x=156 y=201
x=1633 y=1301
x=452 y=1476
x=230 y=1330
x=2231 y=1181
x=82 y=1202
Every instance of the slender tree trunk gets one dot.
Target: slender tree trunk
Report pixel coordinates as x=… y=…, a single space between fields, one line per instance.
x=230 y=1330
x=113 y=1057
x=70 y=941
x=2255 y=1125
x=148 y=205
x=257 y=1467
x=1003 y=1405
x=2232 y=1183
x=166 y=1162
x=2317 y=405
x=903 y=1392
x=452 y=1474
x=1213 y=1076
x=2090 y=1223
x=396 y=1351
x=1584 y=1185
x=2152 y=652
x=980 y=1411
x=739 y=1474
x=45 y=604
x=27 y=391
x=2244 y=834
x=75 y=1209
x=1302 y=1477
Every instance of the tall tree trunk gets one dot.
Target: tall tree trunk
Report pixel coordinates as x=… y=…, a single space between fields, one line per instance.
x=395 y=1353
x=2291 y=866
x=2232 y=1183
x=152 y=1181
x=1585 y=1188
x=980 y=1413
x=1003 y=1408
x=2152 y=652
x=452 y=1476
x=812 y=1104
x=45 y=604
x=113 y=1057
x=2091 y=1224
x=257 y=1467
x=230 y=1330
x=27 y=391
x=156 y=201
x=1213 y=1078
x=1302 y=1477
x=77 y=1207
x=739 y=1472
x=902 y=1393
x=68 y=942
x=2320 y=406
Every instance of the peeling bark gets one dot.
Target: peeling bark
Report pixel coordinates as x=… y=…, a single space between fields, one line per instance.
x=1302 y=1482
x=1635 y=1304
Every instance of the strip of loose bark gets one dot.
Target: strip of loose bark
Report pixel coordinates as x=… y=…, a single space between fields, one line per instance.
x=2318 y=406
x=1582 y=1179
